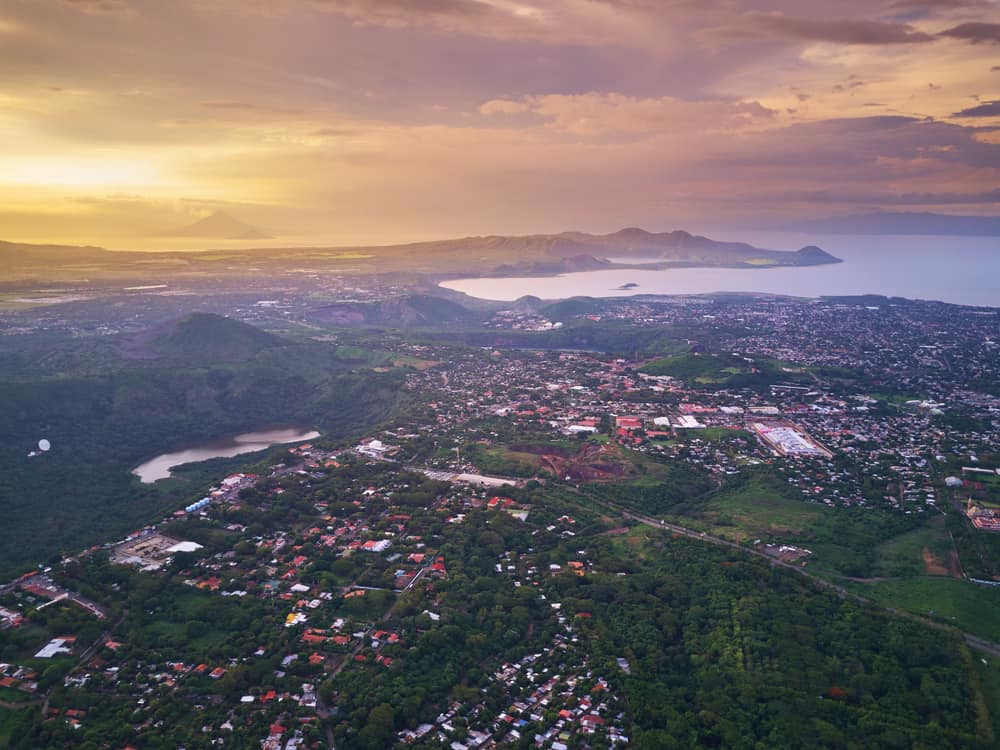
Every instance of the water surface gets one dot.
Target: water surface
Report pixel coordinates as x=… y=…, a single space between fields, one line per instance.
x=248 y=442
x=961 y=270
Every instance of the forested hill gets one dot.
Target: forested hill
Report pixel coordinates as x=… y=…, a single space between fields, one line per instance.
x=104 y=421
x=207 y=336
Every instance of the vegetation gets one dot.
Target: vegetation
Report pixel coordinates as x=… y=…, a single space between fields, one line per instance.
x=716 y=658
x=102 y=425
x=969 y=606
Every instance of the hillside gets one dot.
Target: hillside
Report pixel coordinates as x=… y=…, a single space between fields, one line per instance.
x=221 y=377
x=202 y=336
x=494 y=255
x=580 y=251
x=413 y=311
x=21 y=253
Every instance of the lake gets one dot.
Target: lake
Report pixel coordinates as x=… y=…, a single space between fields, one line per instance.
x=961 y=270
x=248 y=442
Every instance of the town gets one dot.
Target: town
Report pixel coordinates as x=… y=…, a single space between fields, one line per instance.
x=321 y=567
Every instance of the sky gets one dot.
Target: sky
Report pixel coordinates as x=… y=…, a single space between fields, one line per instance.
x=376 y=121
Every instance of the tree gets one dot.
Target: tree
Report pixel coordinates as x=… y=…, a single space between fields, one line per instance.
x=378 y=731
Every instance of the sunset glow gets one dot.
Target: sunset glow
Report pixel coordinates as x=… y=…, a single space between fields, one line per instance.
x=386 y=120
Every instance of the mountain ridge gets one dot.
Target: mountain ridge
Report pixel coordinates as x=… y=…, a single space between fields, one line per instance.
x=486 y=255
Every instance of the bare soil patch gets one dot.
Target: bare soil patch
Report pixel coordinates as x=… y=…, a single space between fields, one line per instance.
x=933 y=566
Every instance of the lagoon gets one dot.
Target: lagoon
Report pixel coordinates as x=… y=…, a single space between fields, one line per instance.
x=248 y=442
x=960 y=270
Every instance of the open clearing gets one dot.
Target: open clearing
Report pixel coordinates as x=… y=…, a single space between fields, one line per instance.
x=966 y=605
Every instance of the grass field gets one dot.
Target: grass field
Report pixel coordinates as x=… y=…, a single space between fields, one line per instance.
x=715 y=435
x=635 y=544
x=416 y=363
x=895 y=398
x=591 y=460
x=703 y=368
x=756 y=509
x=501 y=460
x=968 y=606
x=907 y=554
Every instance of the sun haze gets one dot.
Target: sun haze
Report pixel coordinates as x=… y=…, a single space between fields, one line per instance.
x=390 y=120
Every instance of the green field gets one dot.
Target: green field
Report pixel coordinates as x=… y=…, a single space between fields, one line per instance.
x=752 y=515
x=754 y=505
x=904 y=555
x=965 y=605
x=715 y=435
x=501 y=460
x=702 y=368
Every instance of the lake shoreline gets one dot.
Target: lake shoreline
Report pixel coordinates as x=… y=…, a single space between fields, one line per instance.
x=161 y=465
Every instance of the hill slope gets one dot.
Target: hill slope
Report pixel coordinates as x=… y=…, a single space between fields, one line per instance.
x=413 y=311
x=483 y=256
x=201 y=336
x=580 y=251
x=102 y=424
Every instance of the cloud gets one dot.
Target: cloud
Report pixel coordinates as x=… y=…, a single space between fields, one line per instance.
x=503 y=107
x=975 y=32
x=987 y=109
x=561 y=112
x=248 y=107
x=938 y=4
x=592 y=23
x=478 y=17
x=894 y=199
x=939 y=199
x=337 y=132
x=836 y=30
x=887 y=144
x=598 y=114
x=99 y=6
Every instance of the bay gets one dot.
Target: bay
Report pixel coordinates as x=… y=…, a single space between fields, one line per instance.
x=960 y=270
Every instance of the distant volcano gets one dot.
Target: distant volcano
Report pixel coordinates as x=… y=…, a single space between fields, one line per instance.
x=219 y=225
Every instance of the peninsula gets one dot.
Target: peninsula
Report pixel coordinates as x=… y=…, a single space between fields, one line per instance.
x=493 y=255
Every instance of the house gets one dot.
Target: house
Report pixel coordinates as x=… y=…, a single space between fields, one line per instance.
x=628 y=423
